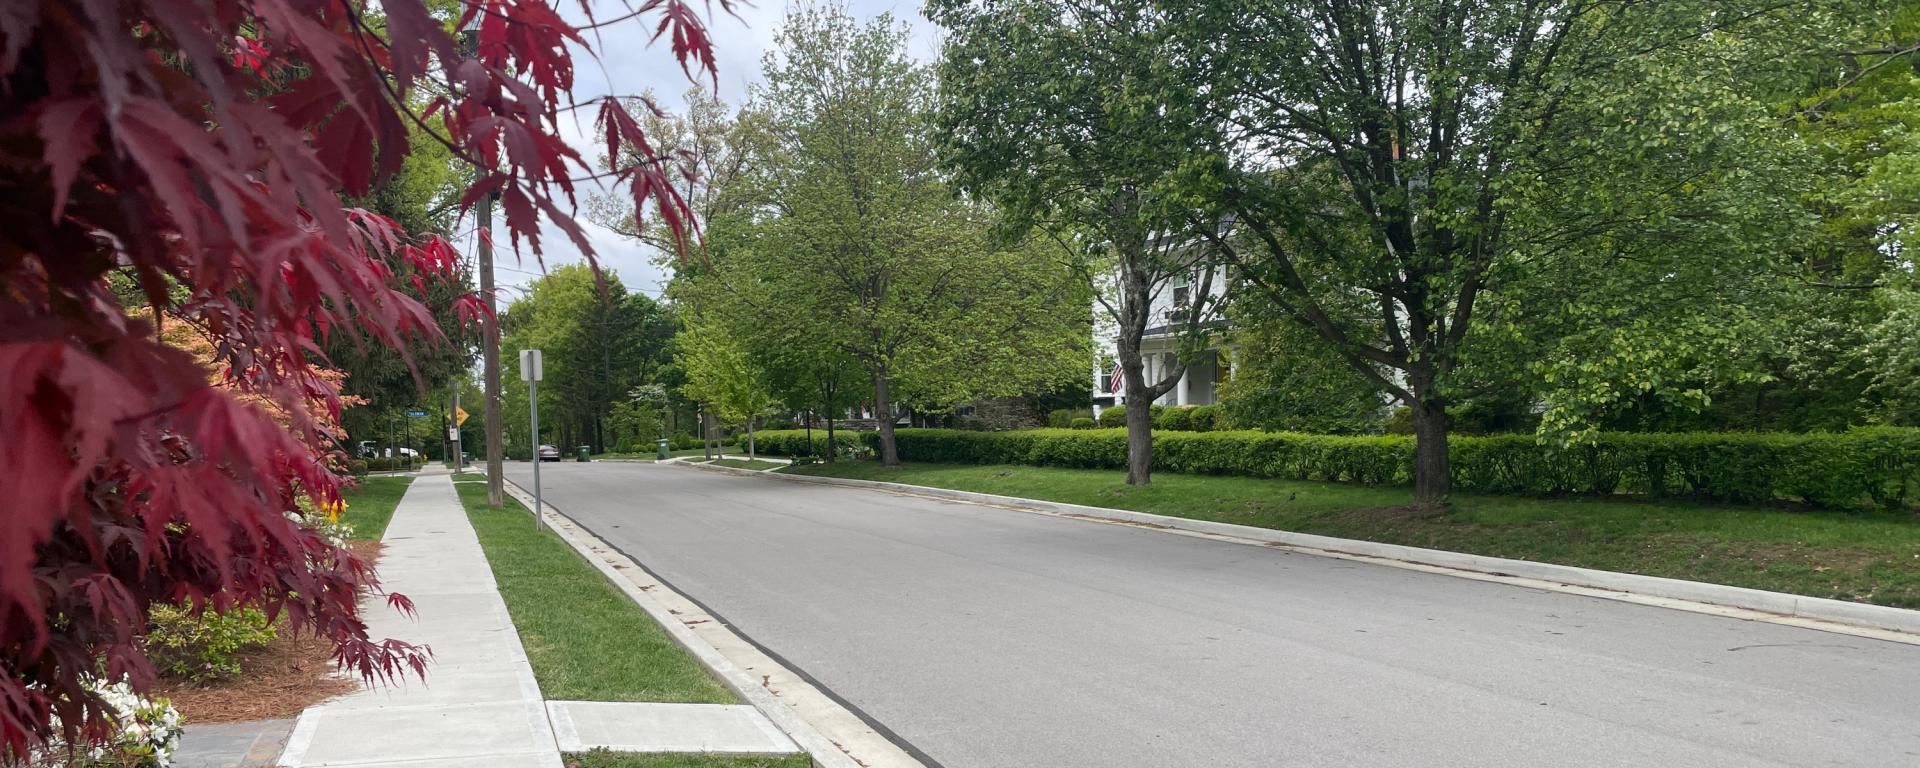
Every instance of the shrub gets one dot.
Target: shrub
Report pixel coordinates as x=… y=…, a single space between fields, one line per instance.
x=1117 y=415
x=1203 y=418
x=683 y=441
x=1065 y=417
x=204 y=647
x=793 y=442
x=1174 y=420
x=357 y=467
x=1878 y=467
x=1082 y=422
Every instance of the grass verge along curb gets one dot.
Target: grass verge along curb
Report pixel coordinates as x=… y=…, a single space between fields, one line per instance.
x=586 y=640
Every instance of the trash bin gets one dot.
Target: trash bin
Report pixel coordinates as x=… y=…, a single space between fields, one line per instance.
x=660 y=449
x=584 y=451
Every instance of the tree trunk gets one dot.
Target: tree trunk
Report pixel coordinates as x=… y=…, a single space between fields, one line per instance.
x=706 y=434
x=832 y=450
x=1139 y=442
x=1432 y=472
x=1139 y=409
x=883 y=415
x=751 y=454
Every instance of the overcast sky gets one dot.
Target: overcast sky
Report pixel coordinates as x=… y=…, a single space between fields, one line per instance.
x=623 y=63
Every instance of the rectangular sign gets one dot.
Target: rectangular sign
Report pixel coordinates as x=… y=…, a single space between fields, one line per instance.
x=415 y=413
x=530 y=365
x=453 y=433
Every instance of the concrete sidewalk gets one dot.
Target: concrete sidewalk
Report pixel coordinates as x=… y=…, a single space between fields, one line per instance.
x=480 y=704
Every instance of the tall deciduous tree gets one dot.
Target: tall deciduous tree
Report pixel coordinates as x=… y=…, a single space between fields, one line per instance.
x=723 y=374
x=866 y=242
x=1056 y=110
x=171 y=143
x=1417 y=153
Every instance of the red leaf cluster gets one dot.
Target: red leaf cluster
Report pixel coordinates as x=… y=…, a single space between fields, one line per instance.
x=200 y=149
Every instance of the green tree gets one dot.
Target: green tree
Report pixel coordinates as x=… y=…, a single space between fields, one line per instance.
x=722 y=375
x=1056 y=111
x=1285 y=380
x=861 y=242
x=598 y=341
x=1492 y=169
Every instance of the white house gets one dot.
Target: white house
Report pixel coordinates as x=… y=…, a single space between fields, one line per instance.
x=1200 y=385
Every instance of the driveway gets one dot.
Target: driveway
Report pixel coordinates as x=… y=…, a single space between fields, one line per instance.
x=988 y=638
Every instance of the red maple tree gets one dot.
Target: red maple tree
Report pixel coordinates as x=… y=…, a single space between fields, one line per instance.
x=201 y=148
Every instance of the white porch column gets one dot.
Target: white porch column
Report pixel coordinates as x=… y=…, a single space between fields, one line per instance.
x=1180 y=389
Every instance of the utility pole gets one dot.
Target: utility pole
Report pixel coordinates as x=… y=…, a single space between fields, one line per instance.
x=490 y=324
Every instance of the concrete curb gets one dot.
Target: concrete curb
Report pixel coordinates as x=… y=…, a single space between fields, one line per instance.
x=793 y=704
x=1877 y=621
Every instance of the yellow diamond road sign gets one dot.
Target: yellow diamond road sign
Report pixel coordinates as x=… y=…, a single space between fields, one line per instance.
x=459 y=416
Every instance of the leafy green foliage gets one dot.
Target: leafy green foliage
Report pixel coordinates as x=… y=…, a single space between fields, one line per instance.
x=1286 y=379
x=862 y=277
x=1068 y=115
x=721 y=374
x=795 y=442
x=206 y=646
x=1870 y=467
x=1063 y=417
x=599 y=341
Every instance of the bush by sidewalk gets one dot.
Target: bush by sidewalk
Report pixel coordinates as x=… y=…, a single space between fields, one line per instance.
x=1865 y=467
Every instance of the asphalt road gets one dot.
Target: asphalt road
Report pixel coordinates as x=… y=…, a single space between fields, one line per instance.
x=988 y=638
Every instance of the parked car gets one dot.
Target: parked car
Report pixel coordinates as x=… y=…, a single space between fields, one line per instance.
x=549 y=453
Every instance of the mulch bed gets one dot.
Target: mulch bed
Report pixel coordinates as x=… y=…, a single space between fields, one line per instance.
x=278 y=680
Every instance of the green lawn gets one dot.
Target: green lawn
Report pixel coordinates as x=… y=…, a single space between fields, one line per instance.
x=587 y=641
x=1867 y=557
x=746 y=463
x=601 y=758
x=370 y=506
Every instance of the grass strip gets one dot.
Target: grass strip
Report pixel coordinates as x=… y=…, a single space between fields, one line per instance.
x=746 y=463
x=370 y=505
x=601 y=758
x=587 y=641
x=1871 y=557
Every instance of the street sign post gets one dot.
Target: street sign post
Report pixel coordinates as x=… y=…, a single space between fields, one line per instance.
x=530 y=373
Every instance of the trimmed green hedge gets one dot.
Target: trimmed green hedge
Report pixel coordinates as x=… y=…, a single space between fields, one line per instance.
x=1868 y=466
x=793 y=442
